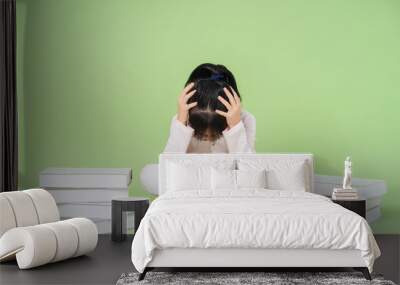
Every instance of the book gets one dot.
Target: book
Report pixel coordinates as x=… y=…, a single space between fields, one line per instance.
x=345 y=198
x=341 y=190
x=339 y=197
x=345 y=194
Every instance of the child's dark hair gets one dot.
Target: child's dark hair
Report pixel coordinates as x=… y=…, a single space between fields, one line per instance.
x=209 y=80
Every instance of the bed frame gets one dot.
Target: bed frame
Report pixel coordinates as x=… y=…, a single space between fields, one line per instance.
x=249 y=259
x=244 y=259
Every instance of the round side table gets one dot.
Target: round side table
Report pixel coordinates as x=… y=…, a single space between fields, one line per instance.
x=120 y=209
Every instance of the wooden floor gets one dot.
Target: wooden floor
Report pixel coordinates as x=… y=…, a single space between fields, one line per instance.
x=110 y=260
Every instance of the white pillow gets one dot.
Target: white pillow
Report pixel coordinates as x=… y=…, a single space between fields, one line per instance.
x=188 y=177
x=251 y=178
x=223 y=179
x=293 y=179
x=281 y=175
x=226 y=179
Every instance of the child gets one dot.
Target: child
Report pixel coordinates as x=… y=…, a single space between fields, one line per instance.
x=209 y=117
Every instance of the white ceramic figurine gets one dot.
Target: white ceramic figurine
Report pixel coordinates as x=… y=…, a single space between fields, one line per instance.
x=347 y=173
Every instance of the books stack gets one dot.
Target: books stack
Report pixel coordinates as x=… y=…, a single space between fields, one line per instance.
x=344 y=194
x=86 y=192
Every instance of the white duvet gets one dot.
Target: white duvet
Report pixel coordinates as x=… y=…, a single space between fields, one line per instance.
x=250 y=219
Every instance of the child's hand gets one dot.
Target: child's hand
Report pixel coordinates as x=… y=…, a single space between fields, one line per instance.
x=233 y=106
x=183 y=107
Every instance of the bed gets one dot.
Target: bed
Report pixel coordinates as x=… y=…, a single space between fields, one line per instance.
x=247 y=210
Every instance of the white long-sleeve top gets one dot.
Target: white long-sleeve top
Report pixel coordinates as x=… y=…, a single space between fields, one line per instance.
x=239 y=139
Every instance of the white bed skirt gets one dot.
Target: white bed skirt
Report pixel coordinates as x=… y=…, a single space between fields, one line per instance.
x=192 y=257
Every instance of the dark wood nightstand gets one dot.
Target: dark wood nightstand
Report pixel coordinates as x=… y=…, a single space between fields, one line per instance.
x=358 y=206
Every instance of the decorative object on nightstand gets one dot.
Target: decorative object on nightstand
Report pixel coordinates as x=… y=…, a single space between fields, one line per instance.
x=346 y=192
x=358 y=206
x=127 y=212
x=347 y=174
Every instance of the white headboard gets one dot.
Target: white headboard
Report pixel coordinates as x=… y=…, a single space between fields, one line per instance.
x=212 y=159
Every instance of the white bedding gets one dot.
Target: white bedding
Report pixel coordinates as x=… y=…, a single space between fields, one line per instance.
x=251 y=218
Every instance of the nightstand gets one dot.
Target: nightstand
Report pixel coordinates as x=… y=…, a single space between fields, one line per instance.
x=358 y=206
x=122 y=209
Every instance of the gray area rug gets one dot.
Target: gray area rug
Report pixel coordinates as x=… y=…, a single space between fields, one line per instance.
x=225 y=278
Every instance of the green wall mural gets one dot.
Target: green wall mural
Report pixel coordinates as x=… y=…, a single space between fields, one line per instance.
x=98 y=81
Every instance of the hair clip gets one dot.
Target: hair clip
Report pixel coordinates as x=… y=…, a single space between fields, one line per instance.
x=217 y=76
